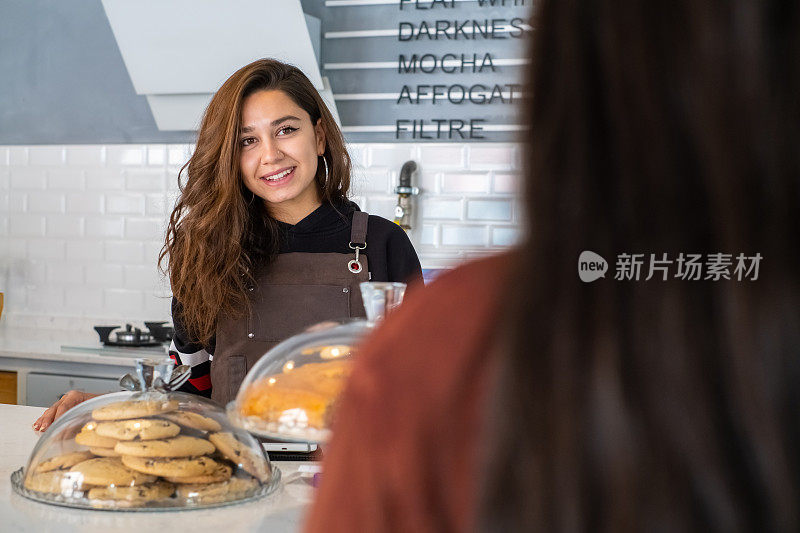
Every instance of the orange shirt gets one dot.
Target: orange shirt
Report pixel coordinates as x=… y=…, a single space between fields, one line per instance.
x=405 y=452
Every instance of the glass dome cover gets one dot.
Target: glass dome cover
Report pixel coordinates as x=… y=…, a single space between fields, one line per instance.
x=291 y=393
x=146 y=450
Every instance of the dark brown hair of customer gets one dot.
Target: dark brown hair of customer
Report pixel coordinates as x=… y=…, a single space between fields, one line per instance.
x=218 y=229
x=655 y=127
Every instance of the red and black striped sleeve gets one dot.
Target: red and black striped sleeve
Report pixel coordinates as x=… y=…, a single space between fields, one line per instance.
x=197 y=356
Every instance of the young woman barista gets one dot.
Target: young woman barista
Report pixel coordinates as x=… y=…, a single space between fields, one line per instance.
x=263 y=241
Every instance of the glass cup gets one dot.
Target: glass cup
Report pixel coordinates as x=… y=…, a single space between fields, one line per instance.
x=380 y=298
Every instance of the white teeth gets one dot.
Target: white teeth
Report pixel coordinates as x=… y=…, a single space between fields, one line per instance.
x=279 y=176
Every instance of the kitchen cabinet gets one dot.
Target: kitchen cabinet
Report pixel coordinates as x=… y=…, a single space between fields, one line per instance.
x=8 y=387
x=44 y=389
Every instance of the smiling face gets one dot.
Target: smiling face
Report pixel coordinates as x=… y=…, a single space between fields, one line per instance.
x=280 y=150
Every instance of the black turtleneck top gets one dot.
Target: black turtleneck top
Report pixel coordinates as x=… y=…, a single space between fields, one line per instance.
x=390 y=255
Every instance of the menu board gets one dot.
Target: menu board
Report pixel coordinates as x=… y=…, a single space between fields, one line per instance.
x=427 y=70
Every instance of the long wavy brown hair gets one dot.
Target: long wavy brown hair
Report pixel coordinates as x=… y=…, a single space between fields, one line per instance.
x=218 y=233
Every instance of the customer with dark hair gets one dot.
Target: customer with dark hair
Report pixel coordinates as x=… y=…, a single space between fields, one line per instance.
x=512 y=396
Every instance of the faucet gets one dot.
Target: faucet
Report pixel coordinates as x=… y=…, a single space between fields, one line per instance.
x=404 y=191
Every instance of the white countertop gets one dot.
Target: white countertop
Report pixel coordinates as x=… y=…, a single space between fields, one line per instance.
x=46 y=344
x=280 y=511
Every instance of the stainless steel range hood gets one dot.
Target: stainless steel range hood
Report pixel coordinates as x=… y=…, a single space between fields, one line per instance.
x=178 y=52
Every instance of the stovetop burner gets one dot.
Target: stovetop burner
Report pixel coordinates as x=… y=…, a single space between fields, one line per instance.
x=155 y=334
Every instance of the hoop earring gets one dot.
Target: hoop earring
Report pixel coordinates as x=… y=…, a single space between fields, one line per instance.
x=325 y=161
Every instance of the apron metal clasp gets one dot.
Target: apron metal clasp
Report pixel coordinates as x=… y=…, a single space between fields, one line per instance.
x=354 y=265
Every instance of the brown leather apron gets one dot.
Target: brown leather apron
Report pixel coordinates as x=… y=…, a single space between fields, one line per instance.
x=295 y=291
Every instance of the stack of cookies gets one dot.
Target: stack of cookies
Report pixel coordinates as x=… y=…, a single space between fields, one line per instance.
x=145 y=452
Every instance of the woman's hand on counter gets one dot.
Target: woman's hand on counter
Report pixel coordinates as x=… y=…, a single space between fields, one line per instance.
x=62 y=405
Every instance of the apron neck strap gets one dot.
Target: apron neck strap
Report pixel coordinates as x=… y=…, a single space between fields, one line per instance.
x=358 y=232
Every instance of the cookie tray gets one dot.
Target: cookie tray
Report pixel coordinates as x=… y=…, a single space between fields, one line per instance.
x=18 y=478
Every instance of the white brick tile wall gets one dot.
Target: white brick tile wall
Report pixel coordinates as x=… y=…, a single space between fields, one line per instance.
x=156 y=154
x=443 y=258
x=429 y=182
x=506 y=183
x=145 y=180
x=156 y=204
x=46 y=155
x=15 y=302
x=124 y=252
x=17 y=156
x=17 y=248
x=463 y=236
x=66 y=179
x=433 y=207
x=172 y=172
x=81 y=227
x=46 y=249
x=489 y=210
x=89 y=156
x=125 y=204
x=493 y=157
x=105 y=180
x=382 y=206
x=162 y=288
x=156 y=306
x=107 y=226
x=85 y=202
x=125 y=155
x=25 y=178
x=64 y=274
x=64 y=226
x=429 y=235
x=372 y=180
x=465 y=183
x=4 y=195
x=172 y=178
x=100 y=275
x=179 y=154
x=505 y=236
x=85 y=299
x=45 y=299
x=388 y=155
x=17 y=202
x=35 y=273
x=448 y=157
x=46 y=202
x=142 y=277
x=358 y=154
x=144 y=228
x=124 y=300
x=84 y=250
x=151 y=251
x=26 y=225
